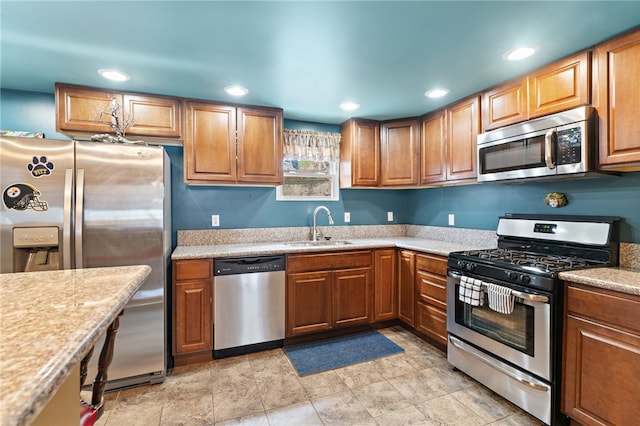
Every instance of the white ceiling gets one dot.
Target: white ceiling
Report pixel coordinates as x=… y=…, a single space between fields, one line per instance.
x=303 y=56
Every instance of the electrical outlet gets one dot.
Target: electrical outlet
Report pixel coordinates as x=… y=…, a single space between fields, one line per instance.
x=215 y=220
x=347 y=217
x=452 y=219
x=390 y=216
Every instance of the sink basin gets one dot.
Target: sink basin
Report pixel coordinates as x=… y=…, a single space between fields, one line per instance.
x=317 y=243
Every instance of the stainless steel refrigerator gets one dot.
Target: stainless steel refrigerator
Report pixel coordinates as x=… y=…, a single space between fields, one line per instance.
x=68 y=204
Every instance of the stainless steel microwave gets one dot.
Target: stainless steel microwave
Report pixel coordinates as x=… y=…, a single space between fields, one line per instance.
x=561 y=144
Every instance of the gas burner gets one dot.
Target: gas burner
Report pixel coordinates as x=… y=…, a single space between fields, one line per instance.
x=531 y=261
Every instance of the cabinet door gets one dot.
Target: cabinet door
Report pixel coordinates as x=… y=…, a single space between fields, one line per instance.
x=153 y=116
x=192 y=317
x=399 y=152
x=352 y=297
x=360 y=153
x=601 y=370
x=560 y=86
x=433 y=160
x=79 y=109
x=308 y=302
x=463 y=125
x=210 y=143
x=260 y=145
x=385 y=292
x=406 y=286
x=618 y=64
x=505 y=104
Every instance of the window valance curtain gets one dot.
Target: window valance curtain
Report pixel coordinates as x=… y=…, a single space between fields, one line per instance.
x=307 y=145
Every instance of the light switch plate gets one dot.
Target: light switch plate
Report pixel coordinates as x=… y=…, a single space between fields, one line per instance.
x=452 y=219
x=390 y=216
x=347 y=217
x=215 y=220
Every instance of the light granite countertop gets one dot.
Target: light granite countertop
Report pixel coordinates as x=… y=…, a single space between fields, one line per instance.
x=624 y=280
x=266 y=248
x=48 y=322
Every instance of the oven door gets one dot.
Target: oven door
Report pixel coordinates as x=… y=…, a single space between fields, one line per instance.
x=522 y=338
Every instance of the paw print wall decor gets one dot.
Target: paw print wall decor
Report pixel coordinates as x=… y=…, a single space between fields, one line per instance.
x=556 y=199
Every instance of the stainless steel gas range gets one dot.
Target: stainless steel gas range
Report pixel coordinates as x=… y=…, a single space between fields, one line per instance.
x=504 y=305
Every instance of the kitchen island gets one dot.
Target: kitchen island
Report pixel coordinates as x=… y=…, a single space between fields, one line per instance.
x=48 y=322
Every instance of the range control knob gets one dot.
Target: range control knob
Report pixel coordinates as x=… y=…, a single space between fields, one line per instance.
x=512 y=276
x=460 y=264
x=525 y=279
x=470 y=266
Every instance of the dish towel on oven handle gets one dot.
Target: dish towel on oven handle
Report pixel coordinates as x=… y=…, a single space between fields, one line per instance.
x=471 y=291
x=500 y=298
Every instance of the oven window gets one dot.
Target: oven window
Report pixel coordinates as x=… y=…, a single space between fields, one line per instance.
x=514 y=330
x=516 y=155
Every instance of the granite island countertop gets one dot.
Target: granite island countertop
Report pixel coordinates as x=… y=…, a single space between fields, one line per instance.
x=442 y=248
x=48 y=322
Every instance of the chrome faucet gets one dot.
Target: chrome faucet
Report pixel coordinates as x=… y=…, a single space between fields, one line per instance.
x=316 y=233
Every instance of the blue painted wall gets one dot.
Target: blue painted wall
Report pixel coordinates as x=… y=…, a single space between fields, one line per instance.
x=474 y=206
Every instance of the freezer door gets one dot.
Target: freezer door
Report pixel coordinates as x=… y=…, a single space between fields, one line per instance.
x=32 y=180
x=120 y=209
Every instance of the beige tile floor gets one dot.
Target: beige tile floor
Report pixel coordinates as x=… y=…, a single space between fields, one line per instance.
x=416 y=387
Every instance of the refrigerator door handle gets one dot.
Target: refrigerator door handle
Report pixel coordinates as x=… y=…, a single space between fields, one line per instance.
x=79 y=222
x=66 y=219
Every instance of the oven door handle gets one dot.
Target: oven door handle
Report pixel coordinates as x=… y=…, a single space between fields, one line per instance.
x=530 y=382
x=521 y=294
x=530 y=296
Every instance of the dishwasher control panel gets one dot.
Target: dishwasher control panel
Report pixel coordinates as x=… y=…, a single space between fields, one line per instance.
x=248 y=265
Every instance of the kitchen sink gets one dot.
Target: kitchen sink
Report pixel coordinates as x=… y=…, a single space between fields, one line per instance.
x=321 y=243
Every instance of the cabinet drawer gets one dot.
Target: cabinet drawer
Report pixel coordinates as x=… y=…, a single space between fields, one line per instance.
x=434 y=264
x=328 y=261
x=432 y=321
x=193 y=269
x=432 y=289
x=610 y=307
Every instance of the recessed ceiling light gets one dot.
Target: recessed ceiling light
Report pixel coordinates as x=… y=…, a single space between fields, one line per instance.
x=114 y=75
x=520 y=53
x=236 y=90
x=436 y=93
x=349 y=106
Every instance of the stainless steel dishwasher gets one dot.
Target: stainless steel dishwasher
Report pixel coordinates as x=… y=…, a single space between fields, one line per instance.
x=249 y=304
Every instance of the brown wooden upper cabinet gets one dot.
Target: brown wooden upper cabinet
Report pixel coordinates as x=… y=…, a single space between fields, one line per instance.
x=448 y=143
x=400 y=152
x=376 y=154
x=505 y=104
x=559 y=86
x=155 y=118
x=563 y=85
x=227 y=144
x=360 y=153
x=433 y=161
x=618 y=102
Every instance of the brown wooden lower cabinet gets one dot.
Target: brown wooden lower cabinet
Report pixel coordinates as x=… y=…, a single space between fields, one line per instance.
x=600 y=382
x=386 y=288
x=406 y=286
x=308 y=302
x=431 y=291
x=192 y=310
x=351 y=297
x=329 y=290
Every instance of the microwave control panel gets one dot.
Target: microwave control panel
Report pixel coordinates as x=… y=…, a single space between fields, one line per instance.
x=569 y=146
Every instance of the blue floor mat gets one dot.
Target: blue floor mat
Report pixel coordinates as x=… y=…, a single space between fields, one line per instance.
x=322 y=355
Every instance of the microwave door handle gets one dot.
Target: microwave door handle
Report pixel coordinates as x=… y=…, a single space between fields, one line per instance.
x=548 y=146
